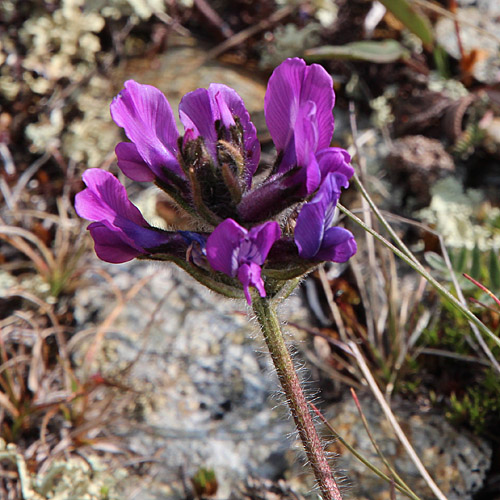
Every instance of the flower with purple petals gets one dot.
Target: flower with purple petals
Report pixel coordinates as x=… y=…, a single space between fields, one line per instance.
x=147 y=118
x=235 y=241
x=314 y=236
x=237 y=252
x=120 y=232
x=209 y=172
x=298 y=109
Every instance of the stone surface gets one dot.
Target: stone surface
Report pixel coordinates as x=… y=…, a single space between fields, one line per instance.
x=457 y=461
x=416 y=163
x=208 y=397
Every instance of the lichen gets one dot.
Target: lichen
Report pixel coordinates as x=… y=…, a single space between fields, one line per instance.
x=462 y=217
x=75 y=479
x=447 y=86
x=92 y=136
x=325 y=11
x=72 y=479
x=289 y=41
x=45 y=133
x=382 y=114
x=59 y=52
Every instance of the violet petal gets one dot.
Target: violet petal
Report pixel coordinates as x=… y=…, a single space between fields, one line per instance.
x=309 y=230
x=290 y=87
x=233 y=250
x=131 y=163
x=112 y=246
x=263 y=238
x=338 y=245
x=335 y=160
x=236 y=106
x=223 y=246
x=145 y=114
x=198 y=117
x=250 y=275
x=105 y=198
x=105 y=202
x=316 y=217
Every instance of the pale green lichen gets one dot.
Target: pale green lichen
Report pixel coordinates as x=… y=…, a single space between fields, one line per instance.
x=325 y=11
x=135 y=10
x=289 y=41
x=72 y=479
x=462 y=217
x=75 y=479
x=447 y=86
x=92 y=136
x=45 y=133
x=382 y=114
x=63 y=44
x=9 y=84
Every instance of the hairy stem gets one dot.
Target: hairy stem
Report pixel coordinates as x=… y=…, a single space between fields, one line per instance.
x=297 y=403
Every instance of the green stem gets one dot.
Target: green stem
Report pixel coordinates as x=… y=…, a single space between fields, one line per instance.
x=270 y=326
x=385 y=224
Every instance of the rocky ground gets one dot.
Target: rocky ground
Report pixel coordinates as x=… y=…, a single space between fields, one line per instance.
x=207 y=398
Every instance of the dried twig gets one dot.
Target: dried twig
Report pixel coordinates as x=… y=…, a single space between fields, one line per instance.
x=243 y=35
x=394 y=423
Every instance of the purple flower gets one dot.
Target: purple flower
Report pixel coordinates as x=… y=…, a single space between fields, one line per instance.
x=298 y=108
x=237 y=252
x=314 y=236
x=120 y=232
x=145 y=114
x=216 y=113
x=209 y=173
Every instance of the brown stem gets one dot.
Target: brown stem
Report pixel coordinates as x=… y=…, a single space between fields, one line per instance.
x=297 y=403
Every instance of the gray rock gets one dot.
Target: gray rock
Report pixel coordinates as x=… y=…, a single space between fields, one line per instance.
x=457 y=461
x=209 y=396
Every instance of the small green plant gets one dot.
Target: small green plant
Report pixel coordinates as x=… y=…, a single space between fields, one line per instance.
x=205 y=482
x=479 y=406
x=473 y=392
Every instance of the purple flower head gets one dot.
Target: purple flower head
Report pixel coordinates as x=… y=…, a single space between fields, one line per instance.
x=120 y=232
x=238 y=252
x=209 y=172
x=298 y=108
x=314 y=236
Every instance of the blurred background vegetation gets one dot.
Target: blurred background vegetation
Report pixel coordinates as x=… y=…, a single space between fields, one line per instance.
x=418 y=104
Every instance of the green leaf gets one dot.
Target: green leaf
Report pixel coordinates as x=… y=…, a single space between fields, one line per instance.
x=436 y=262
x=494 y=270
x=475 y=270
x=384 y=51
x=460 y=259
x=441 y=60
x=415 y=22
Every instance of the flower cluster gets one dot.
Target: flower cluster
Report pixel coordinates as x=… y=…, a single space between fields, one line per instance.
x=246 y=233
